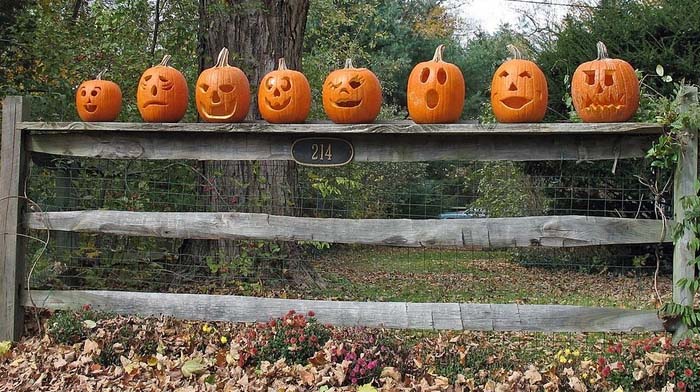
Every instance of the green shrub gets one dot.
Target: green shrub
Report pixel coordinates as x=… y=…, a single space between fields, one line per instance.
x=293 y=337
x=70 y=327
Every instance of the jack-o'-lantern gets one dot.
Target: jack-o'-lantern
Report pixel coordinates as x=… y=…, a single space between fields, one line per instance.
x=435 y=92
x=519 y=90
x=284 y=95
x=352 y=95
x=222 y=92
x=98 y=100
x=605 y=89
x=162 y=94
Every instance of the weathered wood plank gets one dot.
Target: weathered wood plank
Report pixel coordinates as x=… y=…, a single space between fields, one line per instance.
x=482 y=317
x=400 y=127
x=553 y=231
x=13 y=163
x=377 y=147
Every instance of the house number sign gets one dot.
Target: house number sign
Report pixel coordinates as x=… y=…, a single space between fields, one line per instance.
x=322 y=151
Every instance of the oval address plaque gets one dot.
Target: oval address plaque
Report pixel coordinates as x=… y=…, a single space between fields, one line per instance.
x=322 y=151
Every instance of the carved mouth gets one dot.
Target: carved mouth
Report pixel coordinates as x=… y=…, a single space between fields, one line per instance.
x=90 y=107
x=347 y=103
x=515 y=102
x=157 y=103
x=432 y=98
x=278 y=105
x=219 y=116
x=598 y=103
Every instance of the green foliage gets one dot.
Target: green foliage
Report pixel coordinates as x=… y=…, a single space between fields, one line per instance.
x=293 y=337
x=70 y=327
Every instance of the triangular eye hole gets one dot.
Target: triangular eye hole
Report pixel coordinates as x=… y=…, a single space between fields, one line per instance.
x=424 y=75
x=441 y=76
x=525 y=74
x=204 y=87
x=590 y=77
x=503 y=74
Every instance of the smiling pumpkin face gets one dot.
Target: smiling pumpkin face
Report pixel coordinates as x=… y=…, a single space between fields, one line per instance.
x=352 y=95
x=222 y=92
x=98 y=100
x=162 y=94
x=605 y=90
x=284 y=96
x=519 y=91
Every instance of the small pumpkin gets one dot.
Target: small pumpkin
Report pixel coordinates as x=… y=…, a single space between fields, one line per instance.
x=162 y=94
x=352 y=95
x=222 y=92
x=519 y=90
x=98 y=100
x=284 y=95
x=605 y=89
x=435 y=91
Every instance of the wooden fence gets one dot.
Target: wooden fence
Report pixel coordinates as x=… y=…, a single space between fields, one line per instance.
x=396 y=142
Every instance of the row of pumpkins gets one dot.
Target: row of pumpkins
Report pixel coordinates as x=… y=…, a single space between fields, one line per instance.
x=603 y=90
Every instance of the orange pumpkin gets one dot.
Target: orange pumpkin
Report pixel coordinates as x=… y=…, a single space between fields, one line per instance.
x=284 y=95
x=222 y=92
x=435 y=91
x=162 y=94
x=98 y=100
x=605 y=89
x=519 y=91
x=352 y=95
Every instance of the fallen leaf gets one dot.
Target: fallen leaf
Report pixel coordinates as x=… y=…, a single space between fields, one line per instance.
x=90 y=347
x=391 y=372
x=5 y=347
x=532 y=375
x=193 y=366
x=577 y=385
x=89 y=324
x=367 y=388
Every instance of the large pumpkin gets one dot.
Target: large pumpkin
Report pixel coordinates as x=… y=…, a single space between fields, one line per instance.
x=162 y=94
x=98 y=100
x=352 y=95
x=519 y=90
x=284 y=95
x=222 y=92
x=435 y=91
x=605 y=89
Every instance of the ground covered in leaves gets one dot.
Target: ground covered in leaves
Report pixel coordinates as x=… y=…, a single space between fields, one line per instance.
x=89 y=351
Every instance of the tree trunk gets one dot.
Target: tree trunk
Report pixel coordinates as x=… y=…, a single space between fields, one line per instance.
x=257 y=33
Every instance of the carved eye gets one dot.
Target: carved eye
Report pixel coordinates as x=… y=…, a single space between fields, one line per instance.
x=227 y=88
x=268 y=83
x=504 y=74
x=424 y=75
x=590 y=77
x=355 y=83
x=163 y=79
x=147 y=77
x=94 y=93
x=204 y=87
x=287 y=84
x=441 y=76
x=608 y=78
x=334 y=85
x=83 y=93
x=525 y=74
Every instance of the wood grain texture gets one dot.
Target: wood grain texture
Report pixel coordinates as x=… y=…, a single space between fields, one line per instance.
x=394 y=127
x=13 y=163
x=436 y=316
x=552 y=231
x=368 y=147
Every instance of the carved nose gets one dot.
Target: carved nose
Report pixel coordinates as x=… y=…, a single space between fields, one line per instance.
x=154 y=91
x=344 y=90
x=215 y=98
x=276 y=93
x=512 y=87
x=599 y=89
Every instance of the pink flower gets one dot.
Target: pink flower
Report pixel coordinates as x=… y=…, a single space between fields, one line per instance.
x=681 y=385
x=311 y=313
x=605 y=372
x=688 y=373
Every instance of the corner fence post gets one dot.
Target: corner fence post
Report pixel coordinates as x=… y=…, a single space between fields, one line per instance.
x=13 y=164
x=684 y=185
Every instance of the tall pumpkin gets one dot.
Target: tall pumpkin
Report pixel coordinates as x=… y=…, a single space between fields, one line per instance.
x=435 y=91
x=98 y=100
x=605 y=89
x=284 y=96
x=222 y=92
x=162 y=94
x=519 y=90
x=352 y=95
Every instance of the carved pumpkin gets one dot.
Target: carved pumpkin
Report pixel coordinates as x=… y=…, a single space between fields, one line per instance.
x=222 y=92
x=98 y=100
x=605 y=89
x=284 y=95
x=352 y=95
x=162 y=94
x=435 y=91
x=519 y=91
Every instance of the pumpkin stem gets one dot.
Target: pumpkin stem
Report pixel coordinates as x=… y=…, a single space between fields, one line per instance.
x=438 y=53
x=222 y=60
x=101 y=74
x=348 y=63
x=515 y=52
x=282 y=65
x=602 y=51
x=165 y=60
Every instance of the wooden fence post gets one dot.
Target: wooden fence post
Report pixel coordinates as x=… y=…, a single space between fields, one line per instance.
x=13 y=164
x=684 y=185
